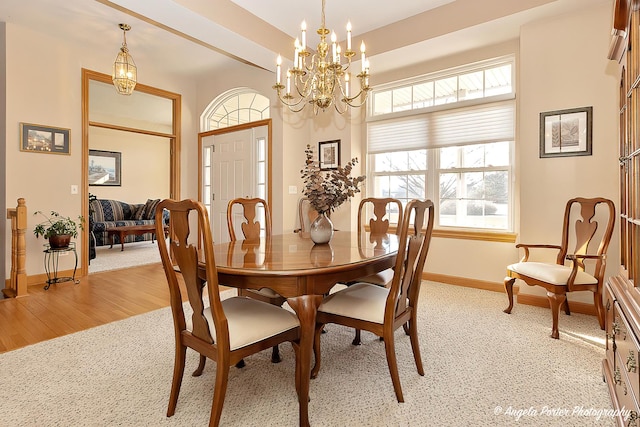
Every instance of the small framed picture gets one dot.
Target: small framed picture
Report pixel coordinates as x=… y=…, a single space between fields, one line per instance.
x=566 y=132
x=104 y=167
x=44 y=139
x=329 y=154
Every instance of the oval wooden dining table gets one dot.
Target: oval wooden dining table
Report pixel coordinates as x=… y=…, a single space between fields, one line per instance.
x=293 y=266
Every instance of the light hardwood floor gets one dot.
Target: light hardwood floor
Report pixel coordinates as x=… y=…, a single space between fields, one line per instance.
x=67 y=308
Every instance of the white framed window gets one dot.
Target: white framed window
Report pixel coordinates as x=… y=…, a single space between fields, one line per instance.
x=234 y=107
x=431 y=143
x=472 y=83
x=473 y=186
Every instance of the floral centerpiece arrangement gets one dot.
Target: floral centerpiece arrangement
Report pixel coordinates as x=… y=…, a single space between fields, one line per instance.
x=326 y=190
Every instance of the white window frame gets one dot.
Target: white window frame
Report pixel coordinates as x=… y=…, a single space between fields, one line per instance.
x=433 y=171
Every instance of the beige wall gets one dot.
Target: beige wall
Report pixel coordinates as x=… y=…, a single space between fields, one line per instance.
x=144 y=165
x=44 y=76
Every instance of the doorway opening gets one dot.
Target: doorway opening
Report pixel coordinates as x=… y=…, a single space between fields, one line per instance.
x=144 y=129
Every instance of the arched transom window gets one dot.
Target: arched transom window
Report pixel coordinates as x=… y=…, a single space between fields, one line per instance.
x=235 y=107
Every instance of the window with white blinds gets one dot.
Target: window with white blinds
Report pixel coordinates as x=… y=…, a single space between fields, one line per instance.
x=460 y=158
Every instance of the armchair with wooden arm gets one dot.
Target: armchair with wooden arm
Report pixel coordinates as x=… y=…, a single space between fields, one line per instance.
x=580 y=226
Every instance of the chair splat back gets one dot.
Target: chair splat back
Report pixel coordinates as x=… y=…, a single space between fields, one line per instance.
x=377 y=224
x=251 y=226
x=584 y=229
x=186 y=256
x=379 y=228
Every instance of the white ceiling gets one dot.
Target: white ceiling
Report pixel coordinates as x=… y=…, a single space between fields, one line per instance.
x=196 y=36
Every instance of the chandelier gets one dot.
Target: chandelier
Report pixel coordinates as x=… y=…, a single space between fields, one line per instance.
x=125 y=73
x=322 y=79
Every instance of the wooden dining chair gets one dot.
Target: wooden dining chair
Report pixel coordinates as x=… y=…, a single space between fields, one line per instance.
x=378 y=211
x=569 y=272
x=227 y=330
x=382 y=310
x=251 y=211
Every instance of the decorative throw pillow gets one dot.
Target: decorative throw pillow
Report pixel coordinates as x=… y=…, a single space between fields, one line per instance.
x=150 y=208
x=139 y=213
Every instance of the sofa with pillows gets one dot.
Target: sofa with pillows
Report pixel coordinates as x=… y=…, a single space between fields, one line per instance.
x=106 y=213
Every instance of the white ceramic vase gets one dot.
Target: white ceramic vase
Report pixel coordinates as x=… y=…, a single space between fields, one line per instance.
x=321 y=230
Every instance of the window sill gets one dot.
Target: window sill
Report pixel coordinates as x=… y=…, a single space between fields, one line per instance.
x=487 y=236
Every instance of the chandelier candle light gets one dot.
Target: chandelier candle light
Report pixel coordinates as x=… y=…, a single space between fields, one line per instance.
x=125 y=74
x=321 y=79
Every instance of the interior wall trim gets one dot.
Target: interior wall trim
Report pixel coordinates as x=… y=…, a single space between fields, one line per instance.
x=526 y=299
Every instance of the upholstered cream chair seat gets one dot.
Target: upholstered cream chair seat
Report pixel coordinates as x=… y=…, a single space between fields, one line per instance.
x=363 y=301
x=250 y=321
x=552 y=273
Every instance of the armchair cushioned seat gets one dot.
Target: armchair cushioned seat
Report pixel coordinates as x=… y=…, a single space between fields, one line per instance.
x=551 y=273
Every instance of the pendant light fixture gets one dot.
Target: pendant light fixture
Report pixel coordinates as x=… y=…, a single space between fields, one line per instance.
x=125 y=74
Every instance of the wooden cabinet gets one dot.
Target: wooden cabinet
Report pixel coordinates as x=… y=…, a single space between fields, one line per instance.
x=621 y=366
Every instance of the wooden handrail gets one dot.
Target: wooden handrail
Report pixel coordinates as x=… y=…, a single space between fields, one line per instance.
x=18 y=281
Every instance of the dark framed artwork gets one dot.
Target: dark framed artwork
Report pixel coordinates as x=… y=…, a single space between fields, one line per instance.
x=566 y=132
x=105 y=168
x=329 y=154
x=44 y=139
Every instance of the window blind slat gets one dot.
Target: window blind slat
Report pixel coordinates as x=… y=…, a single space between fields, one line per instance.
x=476 y=124
x=397 y=135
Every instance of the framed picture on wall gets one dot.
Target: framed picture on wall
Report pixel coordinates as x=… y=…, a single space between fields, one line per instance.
x=566 y=132
x=104 y=167
x=329 y=154
x=44 y=139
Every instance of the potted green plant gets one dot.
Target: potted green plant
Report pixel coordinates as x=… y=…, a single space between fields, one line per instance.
x=58 y=229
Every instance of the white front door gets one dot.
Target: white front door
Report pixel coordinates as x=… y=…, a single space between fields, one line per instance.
x=234 y=165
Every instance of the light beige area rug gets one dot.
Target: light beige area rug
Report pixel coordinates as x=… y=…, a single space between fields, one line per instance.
x=135 y=253
x=483 y=368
